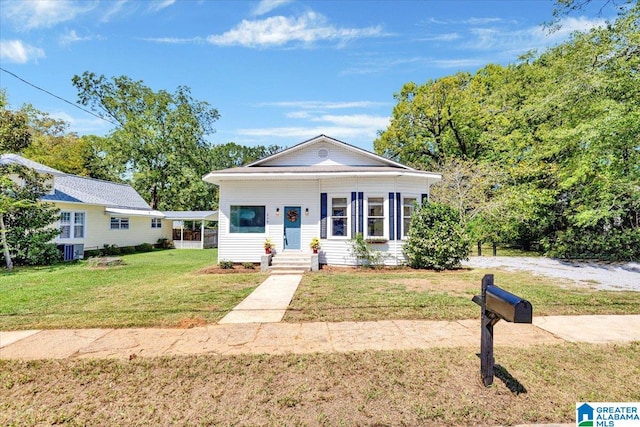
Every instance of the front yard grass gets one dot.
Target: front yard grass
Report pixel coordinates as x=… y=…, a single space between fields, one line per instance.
x=369 y=295
x=435 y=387
x=171 y=289
x=155 y=289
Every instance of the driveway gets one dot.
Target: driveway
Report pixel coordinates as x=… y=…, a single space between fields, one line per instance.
x=599 y=275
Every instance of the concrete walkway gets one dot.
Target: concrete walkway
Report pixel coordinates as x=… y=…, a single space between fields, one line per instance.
x=267 y=303
x=322 y=337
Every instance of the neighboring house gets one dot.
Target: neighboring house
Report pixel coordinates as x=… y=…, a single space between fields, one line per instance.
x=95 y=213
x=319 y=188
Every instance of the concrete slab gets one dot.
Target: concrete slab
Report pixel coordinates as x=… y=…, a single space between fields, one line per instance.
x=593 y=328
x=267 y=303
x=52 y=344
x=9 y=337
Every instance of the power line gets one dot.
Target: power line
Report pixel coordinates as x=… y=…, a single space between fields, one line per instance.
x=58 y=97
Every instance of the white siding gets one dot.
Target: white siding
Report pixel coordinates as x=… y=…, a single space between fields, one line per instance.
x=98 y=231
x=240 y=247
x=337 y=155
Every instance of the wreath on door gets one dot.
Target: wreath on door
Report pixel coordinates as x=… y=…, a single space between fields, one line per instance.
x=292 y=215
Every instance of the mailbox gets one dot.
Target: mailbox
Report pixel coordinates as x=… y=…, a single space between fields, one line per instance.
x=508 y=306
x=497 y=304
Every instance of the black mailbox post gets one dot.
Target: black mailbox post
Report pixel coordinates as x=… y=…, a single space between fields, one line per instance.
x=496 y=304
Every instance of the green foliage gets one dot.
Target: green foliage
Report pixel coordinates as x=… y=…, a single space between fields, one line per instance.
x=225 y=264
x=144 y=247
x=249 y=265
x=436 y=238
x=27 y=222
x=110 y=250
x=363 y=253
x=605 y=243
x=545 y=150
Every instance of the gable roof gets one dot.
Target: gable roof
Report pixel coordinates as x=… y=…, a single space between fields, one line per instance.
x=297 y=162
x=330 y=141
x=80 y=189
x=14 y=159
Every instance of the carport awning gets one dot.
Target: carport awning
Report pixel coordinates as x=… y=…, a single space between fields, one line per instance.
x=134 y=212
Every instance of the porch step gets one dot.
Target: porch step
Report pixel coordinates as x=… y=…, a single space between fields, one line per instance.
x=288 y=262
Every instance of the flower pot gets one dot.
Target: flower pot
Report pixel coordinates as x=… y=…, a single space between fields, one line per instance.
x=315 y=251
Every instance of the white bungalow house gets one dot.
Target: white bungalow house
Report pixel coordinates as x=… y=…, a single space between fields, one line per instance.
x=321 y=188
x=95 y=213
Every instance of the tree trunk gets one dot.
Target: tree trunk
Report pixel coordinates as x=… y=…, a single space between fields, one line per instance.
x=5 y=246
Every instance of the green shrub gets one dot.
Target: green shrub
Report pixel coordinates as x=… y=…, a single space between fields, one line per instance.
x=44 y=254
x=602 y=243
x=127 y=250
x=226 y=264
x=144 y=247
x=436 y=239
x=164 y=244
x=91 y=253
x=364 y=255
x=249 y=265
x=110 y=250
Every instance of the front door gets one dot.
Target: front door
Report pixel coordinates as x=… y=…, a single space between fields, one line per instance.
x=292 y=227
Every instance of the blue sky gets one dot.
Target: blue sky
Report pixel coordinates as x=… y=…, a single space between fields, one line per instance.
x=279 y=72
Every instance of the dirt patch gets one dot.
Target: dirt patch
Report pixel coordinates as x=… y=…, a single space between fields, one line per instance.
x=219 y=270
x=191 y=322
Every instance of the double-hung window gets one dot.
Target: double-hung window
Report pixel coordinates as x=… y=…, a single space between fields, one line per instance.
x=375 y=217
x=339 y=218
x=72 y=225
x=156 y=222
x=118 y=223
x=408 y=207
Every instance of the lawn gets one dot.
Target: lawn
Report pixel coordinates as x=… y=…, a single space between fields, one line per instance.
x=438 y=387
x=163 y=288
x=368 y=295
x=435 y=387
x=178 y=288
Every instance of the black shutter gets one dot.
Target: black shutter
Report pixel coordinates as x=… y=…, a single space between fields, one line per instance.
x=424 y=199
x=323 y=215
x=360 y=212
x=392 y=232
x=399 y=216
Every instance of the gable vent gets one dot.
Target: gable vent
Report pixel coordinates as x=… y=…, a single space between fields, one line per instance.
x=323 y=153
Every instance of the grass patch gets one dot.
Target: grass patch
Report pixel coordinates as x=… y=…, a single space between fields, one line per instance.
x=163 y=288
x=369 y=295
x=439 y=387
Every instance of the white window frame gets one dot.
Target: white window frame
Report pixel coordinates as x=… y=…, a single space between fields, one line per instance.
x=385 y=216
x=72 y=223
x=156 y=223
x=413 y=206
x=347 y=217
x=122 y=223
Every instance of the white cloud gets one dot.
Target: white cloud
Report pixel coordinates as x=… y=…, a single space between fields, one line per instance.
x=280 y=30
x=266 y=6
x=116 y=8
x=448 y=37
x=73 y=37
x=361 y=121
x=34 y=14
x=18 y=52
x=159 y=5
x=528 y=38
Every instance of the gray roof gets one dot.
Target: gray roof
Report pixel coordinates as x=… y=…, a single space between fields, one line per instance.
x=9 y=159
x=307 y=169
x=80 y=189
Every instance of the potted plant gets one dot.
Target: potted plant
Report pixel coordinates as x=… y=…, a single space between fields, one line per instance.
x=315 y=245
x=268 y=245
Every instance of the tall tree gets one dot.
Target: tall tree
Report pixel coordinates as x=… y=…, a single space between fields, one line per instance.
x=159 y=135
